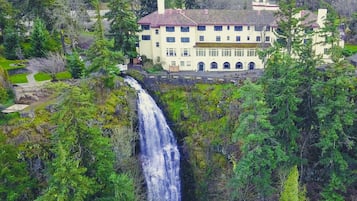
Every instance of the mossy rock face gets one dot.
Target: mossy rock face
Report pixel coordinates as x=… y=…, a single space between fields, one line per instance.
x=203 y=117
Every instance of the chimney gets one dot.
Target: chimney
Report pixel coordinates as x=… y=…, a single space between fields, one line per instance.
x=321 y=17
x=161 y=6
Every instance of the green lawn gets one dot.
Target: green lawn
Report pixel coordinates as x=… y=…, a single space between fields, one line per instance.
x=11 y=64
x=65 y=75
x=42 y=76
x=18 y=78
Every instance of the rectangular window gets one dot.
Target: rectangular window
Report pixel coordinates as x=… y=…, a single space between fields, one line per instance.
x=145 y=37
x=202 y=38
x=200 y=52
x=173 y=63
x=157 y=44
x=228 y=38
x=326 y=51
x=185 y=52
x=145 y=27
x=238 y=28
x=226 y=53
x=228 y=27
x=248 y=38
x=213 y=52
x=248 y=28
x=188 y=63
x=267 y=28
x=237 y=38
x=267 y=39
x=185 y=39
x=170 y=29
x=185 y=29
x=239 y=52
x=170 y=52
x=170 y=39
x=258 y=38
x=218 y=28
x=182 y=63
x=218 y=38
x=251 y=53
x=156 y=31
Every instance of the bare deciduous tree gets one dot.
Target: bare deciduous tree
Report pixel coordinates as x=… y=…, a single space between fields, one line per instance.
x=53 y=64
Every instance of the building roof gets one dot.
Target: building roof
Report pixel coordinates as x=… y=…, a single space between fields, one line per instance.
x=196 y=17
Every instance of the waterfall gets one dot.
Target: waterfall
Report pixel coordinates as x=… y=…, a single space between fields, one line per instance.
x=159 y=155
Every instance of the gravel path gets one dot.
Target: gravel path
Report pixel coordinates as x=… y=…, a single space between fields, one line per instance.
x=31 y=76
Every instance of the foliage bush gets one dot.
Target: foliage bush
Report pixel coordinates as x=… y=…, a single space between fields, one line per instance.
x=3 y=95
x=150 y=67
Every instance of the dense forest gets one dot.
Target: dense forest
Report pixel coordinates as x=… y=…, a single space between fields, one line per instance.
x=289 y=136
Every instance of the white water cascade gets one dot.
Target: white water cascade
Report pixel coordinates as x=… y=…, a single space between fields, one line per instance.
x=159 y=154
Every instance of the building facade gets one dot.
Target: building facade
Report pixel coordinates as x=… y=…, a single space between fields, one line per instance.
x=212 y=40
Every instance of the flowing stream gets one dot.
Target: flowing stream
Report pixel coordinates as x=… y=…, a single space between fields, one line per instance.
x=159 y=154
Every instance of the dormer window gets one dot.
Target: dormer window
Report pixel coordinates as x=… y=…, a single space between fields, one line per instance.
x=145 y=27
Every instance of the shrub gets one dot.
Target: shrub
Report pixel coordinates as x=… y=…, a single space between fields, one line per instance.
x=3 y=95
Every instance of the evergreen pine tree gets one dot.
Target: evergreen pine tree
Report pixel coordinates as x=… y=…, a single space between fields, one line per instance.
x=75 y=65
x=291 y=186
x=15 y=182
x=261 y=152
x=11 y=43
x=123 y=26
x=39 y=39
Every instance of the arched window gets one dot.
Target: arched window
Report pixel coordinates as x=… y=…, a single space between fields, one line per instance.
x=251 y=66
x=201 y=66
x=226 y=65
x=214 y=65
x=239 y=65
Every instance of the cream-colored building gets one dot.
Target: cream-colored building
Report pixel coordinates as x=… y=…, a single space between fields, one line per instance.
x=213 y=40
